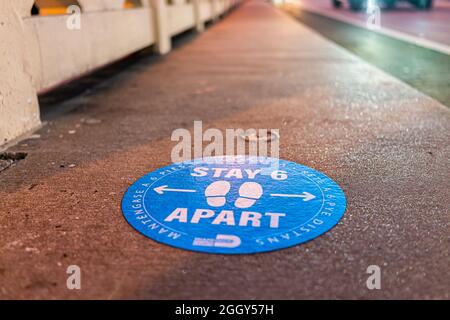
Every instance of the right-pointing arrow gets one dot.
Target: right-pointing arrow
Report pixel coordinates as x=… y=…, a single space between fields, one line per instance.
x=306 y=195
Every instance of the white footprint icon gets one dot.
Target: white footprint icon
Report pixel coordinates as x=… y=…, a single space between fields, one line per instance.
x=249 y=192
x=215 y=193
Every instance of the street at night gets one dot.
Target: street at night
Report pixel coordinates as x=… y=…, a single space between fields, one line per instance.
x=356 y=115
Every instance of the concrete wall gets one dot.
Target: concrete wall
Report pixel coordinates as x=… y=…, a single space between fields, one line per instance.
x=104 y=37
x=38 y=53
x=19 y=61
x=206 y=10
x=181 y=18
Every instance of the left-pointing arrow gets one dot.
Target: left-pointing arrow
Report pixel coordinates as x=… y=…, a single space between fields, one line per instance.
x=162 y=189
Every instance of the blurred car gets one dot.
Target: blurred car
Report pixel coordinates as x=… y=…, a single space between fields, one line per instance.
x=361 y=4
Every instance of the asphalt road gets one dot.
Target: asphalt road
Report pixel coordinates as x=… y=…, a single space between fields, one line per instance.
x=425 y=69
x=385 y=143
x=431 y=25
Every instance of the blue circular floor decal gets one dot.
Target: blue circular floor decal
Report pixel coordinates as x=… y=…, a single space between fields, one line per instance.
x=234 y=205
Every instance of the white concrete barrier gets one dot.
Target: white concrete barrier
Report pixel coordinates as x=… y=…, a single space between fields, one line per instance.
x=104 y=37
x=38 y=53
x=19 y=73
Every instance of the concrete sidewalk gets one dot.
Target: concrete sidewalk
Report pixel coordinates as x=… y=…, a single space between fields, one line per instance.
x=386 y=144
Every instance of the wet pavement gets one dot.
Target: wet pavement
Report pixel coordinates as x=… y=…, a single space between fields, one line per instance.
x=383 y=142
